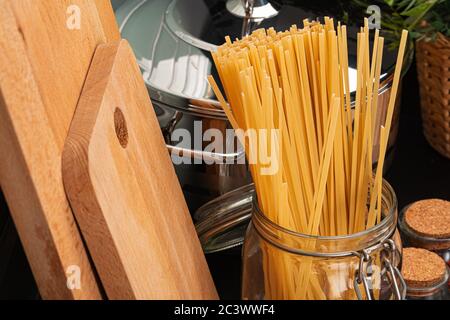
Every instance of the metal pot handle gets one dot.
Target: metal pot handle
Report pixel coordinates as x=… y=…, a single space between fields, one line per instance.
x=221 y=158
x=396 y=280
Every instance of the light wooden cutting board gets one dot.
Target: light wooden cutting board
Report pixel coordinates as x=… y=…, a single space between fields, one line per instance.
x=43 y=66
x=124 y=190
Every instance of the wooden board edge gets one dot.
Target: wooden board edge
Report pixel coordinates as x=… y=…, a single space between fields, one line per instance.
x=108 y=21
x=48 y=263
x=75 y=167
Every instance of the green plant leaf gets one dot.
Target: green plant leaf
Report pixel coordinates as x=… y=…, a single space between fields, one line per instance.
x=410 y=5
x=416 y=11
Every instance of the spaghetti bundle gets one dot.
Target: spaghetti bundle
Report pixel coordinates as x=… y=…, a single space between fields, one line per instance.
x=297 y=83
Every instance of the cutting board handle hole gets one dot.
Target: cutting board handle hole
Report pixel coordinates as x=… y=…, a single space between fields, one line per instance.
x=121 y=128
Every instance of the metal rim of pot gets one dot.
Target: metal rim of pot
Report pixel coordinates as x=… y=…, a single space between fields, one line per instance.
x=211 y=107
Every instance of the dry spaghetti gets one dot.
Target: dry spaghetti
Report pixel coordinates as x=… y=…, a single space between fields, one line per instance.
x=297 y=82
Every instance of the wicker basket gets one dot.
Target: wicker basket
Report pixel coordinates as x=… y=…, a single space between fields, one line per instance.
x=433 y=67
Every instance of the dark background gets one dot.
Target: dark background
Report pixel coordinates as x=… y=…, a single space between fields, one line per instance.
x=418 y=172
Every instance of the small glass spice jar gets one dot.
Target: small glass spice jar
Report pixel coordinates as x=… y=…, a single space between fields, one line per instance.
x=426 y=224
x=425 y=274
x=282 y=264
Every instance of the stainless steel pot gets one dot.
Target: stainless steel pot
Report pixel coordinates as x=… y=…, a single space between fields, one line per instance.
x=172 y=41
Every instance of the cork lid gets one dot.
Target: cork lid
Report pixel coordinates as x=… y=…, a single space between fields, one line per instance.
x=422 y=268
x=429 y=218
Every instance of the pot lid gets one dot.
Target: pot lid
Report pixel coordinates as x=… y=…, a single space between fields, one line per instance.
x=222 y=223
x=172 y=41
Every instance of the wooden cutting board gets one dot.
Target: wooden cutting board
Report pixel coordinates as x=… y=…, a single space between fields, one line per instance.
x=44 y=59
x=124 y=191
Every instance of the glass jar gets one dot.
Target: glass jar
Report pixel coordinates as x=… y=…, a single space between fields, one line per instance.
x=221 y=223
x=411 y=238
x=437 y=291
x=282 y=264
